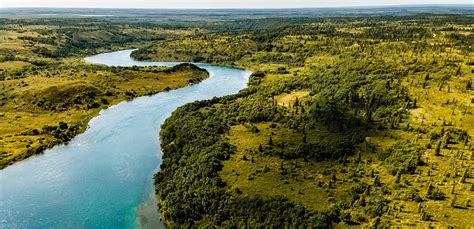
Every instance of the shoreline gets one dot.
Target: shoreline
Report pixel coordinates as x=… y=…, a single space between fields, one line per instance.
x=129 y=164
x=161 y=208
x=146 y=213
x=84 y=124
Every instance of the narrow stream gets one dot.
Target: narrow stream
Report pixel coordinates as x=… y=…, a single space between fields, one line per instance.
x=103 y=177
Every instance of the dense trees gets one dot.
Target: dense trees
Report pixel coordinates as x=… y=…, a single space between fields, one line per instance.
x=357 y=77
x=192 y=151
x=355 y=120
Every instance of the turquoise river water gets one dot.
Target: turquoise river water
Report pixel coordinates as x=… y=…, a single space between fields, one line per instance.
x=103 y=177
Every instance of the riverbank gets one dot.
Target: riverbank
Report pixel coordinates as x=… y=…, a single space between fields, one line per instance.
x=40 y=64
x=323 y=125
x=108 y=170
x=52 y=107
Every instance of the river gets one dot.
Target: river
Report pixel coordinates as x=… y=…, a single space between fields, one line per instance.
x=104 y=177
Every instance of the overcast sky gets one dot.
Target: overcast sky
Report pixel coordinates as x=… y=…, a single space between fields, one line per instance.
x=218 y=3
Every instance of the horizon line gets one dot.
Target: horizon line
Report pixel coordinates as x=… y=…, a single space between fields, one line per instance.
x=238 y=8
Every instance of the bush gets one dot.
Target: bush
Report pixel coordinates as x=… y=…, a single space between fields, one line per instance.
x=402 y=157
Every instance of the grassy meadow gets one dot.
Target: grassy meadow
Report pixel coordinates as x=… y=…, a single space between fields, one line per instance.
x=47 y=99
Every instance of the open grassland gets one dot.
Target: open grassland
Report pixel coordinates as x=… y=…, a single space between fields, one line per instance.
x=33 y=105
x=248 y=172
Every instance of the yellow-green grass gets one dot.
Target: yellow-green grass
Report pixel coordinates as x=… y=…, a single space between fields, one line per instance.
x=13 y=144
x=442 y=169
x=19 y=113
x=446 y=170
x=12 y=65
x=449 y=103
x=255 y=174
x=263 y=176
x=9 y=41
x=288 y=99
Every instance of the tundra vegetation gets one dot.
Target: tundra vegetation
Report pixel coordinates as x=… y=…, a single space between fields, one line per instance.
x=346 y=121
x=48 y=93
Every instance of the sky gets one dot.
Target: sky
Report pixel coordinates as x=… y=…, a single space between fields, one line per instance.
x=218 y=3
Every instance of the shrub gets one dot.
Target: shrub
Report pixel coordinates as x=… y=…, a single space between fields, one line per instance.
x=402 y=157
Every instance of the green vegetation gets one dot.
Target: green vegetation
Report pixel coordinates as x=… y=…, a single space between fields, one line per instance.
x=48 y=95
x=346 y=121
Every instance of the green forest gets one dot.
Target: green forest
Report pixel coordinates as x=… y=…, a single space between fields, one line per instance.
x=346 y=121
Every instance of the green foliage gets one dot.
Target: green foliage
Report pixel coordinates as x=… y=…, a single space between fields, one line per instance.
x=276 y=212
x=76 y=36
x=360 y=74
x=409 y=195
x=360 y=77
x=403 y=158
x=434 y=193
x=63 y=132
x=192 y=150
